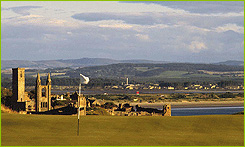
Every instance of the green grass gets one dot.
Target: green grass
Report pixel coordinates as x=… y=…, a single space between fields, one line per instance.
x=201 y=75
x=42 y=130
x=183 y=74
x=172 y=74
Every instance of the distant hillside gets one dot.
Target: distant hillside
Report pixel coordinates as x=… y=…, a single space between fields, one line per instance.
x=231 y=62
x=109 y=68
x=72 y=63
x=151 y=70
x=84 y=62
x=137 y=73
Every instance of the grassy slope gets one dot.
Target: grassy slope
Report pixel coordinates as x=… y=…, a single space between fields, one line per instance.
x=114 y=130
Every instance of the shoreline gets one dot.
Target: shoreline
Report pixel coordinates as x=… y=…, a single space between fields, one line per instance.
x=141 y=91
x=159 y=105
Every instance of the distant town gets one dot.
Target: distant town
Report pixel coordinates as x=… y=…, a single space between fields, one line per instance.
x=123 y=99
x=118 y=89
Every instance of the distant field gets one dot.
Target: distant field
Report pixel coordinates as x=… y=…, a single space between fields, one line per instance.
x=43 y=130
x=172 y=74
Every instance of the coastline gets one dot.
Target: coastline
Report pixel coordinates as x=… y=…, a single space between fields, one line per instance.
x=187 y=104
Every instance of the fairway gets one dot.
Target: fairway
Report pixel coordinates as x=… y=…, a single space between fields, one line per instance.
x=54 y=130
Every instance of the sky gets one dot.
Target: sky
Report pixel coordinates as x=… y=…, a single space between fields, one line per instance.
x=173 y=31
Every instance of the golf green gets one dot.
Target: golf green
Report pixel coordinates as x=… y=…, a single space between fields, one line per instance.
x=60 y=130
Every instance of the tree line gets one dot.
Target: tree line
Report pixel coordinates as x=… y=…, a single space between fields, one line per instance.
x=102 y=82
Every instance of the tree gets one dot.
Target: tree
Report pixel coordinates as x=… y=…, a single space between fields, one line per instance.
x=227 y=95
x=109 y=105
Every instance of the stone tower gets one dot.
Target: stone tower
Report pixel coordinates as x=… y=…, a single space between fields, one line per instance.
x=20 y=100
x=43 y=94
x=167 y=110
x=18 y=84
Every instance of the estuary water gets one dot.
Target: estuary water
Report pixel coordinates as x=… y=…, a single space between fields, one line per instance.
x=206 y=111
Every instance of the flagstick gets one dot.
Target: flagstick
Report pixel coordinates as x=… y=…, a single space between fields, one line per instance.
x=78 y=115
x=78 y=110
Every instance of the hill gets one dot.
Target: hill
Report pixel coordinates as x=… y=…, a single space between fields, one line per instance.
x=153 y=70
x=140 y=70
x=72 y=63
x=231 y=62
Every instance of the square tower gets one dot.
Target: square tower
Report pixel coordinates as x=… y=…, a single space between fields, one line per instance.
x=82 y=103
x=18 y=84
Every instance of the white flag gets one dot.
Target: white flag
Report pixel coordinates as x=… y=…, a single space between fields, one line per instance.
x=83 y=79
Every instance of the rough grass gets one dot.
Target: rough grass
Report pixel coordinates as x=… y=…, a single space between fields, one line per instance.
x=42 y=130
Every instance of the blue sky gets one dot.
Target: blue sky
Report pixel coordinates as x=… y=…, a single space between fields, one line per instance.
x=164 y=31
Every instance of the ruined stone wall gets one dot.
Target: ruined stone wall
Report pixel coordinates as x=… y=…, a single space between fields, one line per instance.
x=43 y=101
x=167 y=110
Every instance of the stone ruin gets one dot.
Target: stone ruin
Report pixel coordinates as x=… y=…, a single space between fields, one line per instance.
x=167 y=110
x=127 y=110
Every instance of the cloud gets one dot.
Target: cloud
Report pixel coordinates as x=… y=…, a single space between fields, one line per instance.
x=131 y=18
x=23 y=10
x=143 y=37
x=202 y=7
x=38 y=20
x=197 y=46
x=170 y=33
x=230 y=27
x=117 y=26
x=168 y=18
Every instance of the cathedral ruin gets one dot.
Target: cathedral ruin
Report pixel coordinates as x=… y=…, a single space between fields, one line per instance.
x=43 y=94
x=21 y=101
x=41 y=103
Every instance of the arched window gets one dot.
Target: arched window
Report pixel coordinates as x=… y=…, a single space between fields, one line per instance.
x=43 y=92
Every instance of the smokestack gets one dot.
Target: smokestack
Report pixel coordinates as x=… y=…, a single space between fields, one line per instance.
x=127 y=82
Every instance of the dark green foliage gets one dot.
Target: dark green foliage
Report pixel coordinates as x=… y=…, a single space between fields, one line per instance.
x=65 y=81
x=227 y=95
x=240 y=95
x=6 y=92
x=229 y=83
x=127 y=105
x=102 y=82
x=239 y=113
x=60 y=103
x=115 y=74
x=130 y=70
x=6 y=96
x=109 y=105
x=6 y=82
x=179 y=96
x=126 y=97
x=96 y=111
x=100 y=96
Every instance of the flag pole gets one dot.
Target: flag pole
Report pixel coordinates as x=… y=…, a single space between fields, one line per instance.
x=78 y=109
x=78 y=113
x=83 y=80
